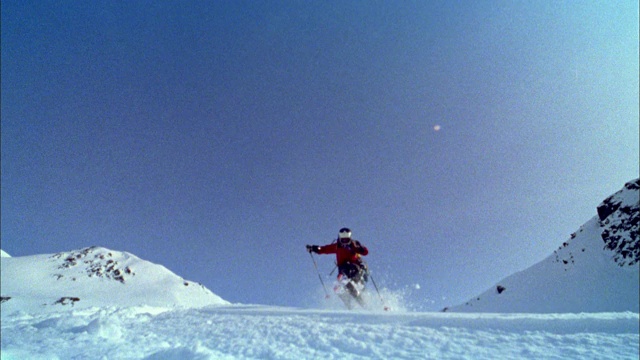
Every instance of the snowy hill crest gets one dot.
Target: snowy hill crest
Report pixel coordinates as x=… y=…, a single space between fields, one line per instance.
x=95 y=277
x=595 y=270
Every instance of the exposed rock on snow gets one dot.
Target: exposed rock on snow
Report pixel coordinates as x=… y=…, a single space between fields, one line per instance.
x=67 y=300
x=100 y=264
x=95 y=277
x=583 y=274
x=619 y=217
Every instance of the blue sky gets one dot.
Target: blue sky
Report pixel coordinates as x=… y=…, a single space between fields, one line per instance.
x=218 y=138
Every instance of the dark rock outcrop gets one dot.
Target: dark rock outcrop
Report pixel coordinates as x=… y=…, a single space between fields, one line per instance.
x=619 y=216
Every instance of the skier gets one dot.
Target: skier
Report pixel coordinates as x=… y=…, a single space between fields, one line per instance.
x=350 y=266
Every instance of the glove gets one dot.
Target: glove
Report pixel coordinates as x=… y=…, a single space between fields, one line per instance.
x=356 y=247
x=313 y=248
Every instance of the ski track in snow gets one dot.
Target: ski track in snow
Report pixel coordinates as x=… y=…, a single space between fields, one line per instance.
x=261 y=332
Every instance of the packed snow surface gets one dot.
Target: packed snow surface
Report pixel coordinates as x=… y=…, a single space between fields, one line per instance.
x=260 y=332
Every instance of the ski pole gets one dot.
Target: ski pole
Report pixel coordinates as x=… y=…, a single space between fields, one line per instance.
x=319 y=277
x=386 y=308
x=334 y=269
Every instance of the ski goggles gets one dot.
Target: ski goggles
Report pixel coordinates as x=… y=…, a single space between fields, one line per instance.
x=345 y=233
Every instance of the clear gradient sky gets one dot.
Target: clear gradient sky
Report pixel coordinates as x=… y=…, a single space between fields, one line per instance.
x=217 y=138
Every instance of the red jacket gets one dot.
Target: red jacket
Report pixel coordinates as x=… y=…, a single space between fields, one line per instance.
x=344 y=255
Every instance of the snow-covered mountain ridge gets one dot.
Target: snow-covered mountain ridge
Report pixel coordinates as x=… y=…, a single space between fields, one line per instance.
x=596 y=270
x=95 y=277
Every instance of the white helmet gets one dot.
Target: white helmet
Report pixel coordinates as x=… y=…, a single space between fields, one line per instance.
x=344 y=233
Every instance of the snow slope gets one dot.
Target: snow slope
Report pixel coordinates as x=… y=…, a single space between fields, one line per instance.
x=257 y=332
x=596 y=270
x=94 y=277
x=4 y=254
